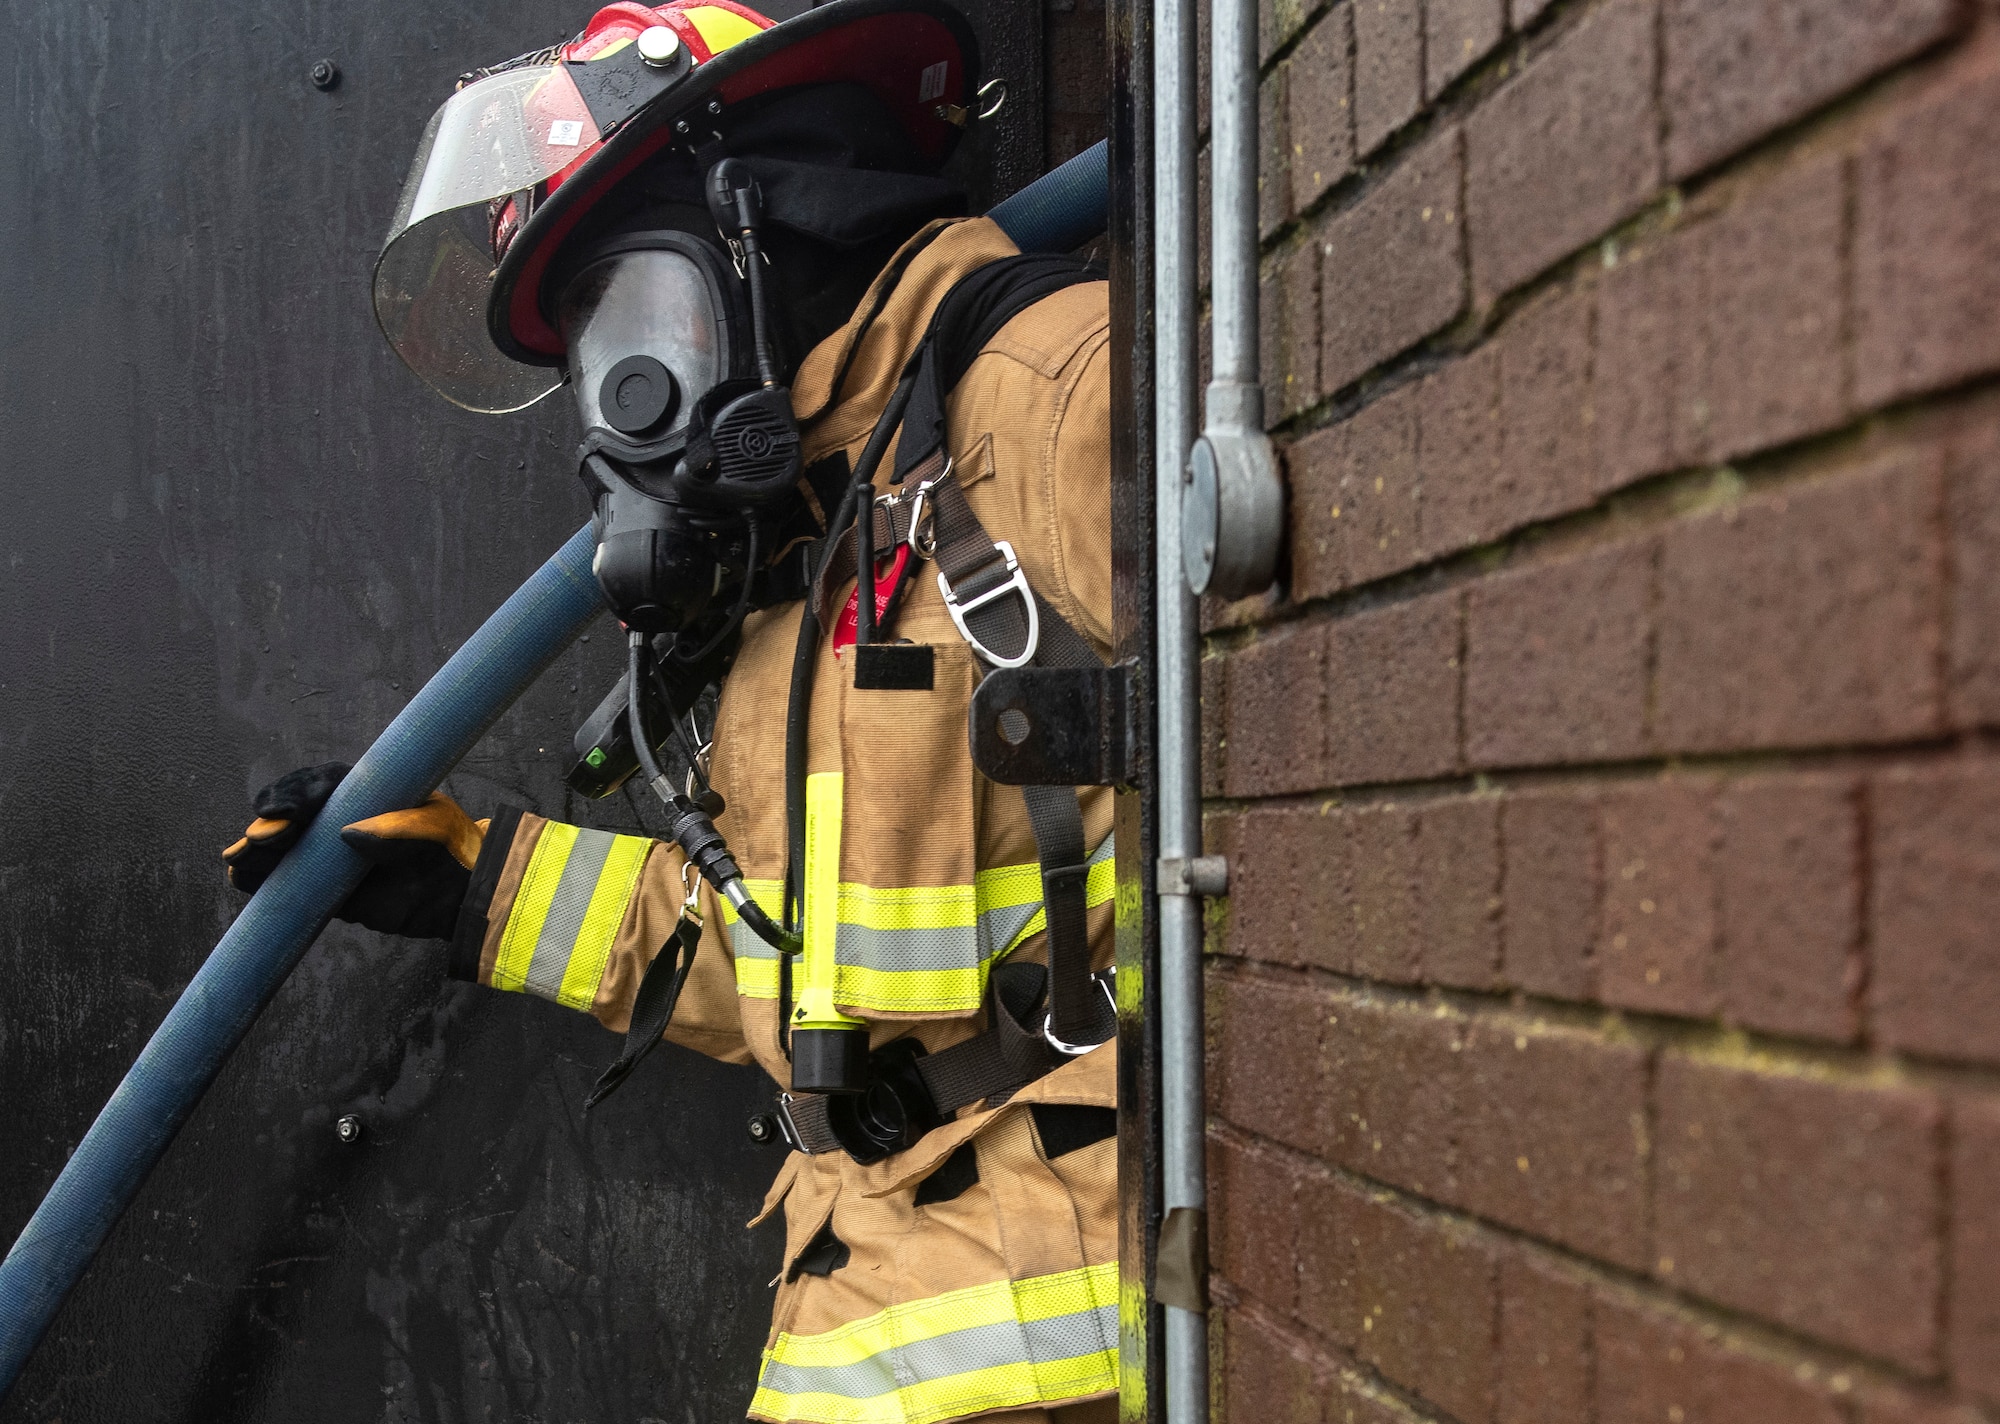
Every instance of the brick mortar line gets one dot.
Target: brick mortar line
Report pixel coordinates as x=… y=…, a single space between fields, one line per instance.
x=1343 y=1362
x=1840 y=110
x=1850 y=310
x=1644 y=507
x=1516 y=50
x=1506 y=62
x=1851 y=1065
x=1319 y=10
x=1970 y=744
x=1941 y=1223
x=1512 y=56
x=1861 y=954
x=1662 y=126
x=1947 y=583
x=1769 y=1339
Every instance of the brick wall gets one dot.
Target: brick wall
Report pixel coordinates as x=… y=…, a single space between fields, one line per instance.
x=1605 y=1016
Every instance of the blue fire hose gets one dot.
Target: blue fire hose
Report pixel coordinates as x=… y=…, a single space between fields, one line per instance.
x=273 y=932
x=1062 y=209
x=1057 y=212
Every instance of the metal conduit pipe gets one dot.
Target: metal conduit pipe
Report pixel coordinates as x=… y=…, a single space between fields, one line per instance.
x=1217 y=526
x=1233 y=513
x=1181 y=1265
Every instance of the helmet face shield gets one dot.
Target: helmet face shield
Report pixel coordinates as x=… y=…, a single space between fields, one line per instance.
x=500 y=136
x=649 y=333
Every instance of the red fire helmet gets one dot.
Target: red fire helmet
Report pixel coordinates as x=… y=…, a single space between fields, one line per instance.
x=514 y=160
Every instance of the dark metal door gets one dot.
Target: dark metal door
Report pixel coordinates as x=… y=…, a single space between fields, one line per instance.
x=234 y=536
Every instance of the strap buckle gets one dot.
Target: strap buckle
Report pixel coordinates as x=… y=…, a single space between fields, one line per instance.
x=1077 y=1050
x=1017 y=583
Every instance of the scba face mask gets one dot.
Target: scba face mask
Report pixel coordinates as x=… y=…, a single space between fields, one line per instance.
x=653 y=321
x=691 y=459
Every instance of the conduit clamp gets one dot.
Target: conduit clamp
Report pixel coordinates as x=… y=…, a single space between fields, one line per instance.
x=1193 y=875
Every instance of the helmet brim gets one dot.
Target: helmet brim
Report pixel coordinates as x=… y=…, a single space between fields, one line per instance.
x=919 y=57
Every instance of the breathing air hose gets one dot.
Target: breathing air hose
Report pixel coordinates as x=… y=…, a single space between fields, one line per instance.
x=1059 y=211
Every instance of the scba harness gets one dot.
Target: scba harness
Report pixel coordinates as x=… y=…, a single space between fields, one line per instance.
x=872 y=1105
x=1038 y=1019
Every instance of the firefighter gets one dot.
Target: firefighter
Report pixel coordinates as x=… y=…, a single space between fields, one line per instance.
x=848 y=452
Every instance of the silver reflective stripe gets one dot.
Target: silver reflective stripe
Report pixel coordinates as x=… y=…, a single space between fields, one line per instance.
x=746 y=943
x=979 y=1347
x=565 y=918
x=904 y=951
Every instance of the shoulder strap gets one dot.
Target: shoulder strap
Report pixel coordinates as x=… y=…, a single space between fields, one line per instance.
x=971 y=315
x=1008 y=624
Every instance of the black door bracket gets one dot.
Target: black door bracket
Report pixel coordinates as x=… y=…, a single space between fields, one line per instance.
x=1056 y=726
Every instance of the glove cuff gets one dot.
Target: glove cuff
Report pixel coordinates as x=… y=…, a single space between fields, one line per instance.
x=469 y=937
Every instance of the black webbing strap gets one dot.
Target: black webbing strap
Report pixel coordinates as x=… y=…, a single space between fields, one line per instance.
x=652 y=1007
x=892 y=527
x=977 y=569
x=970 y=315
x=810 y=1131
x=1011 y=1054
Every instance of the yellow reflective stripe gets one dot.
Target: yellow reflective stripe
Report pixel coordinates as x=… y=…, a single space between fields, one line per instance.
x=1000 y=1345
x=757 y=978
x=1100 y=884
x=1006 y=885
x=909 y=991
x=585 y=970
x=531 y=905
x=573 y=897
x=1036 y=1298
x=909 y=907
x=720 y=28
x=756 y=961
x=996 y=1387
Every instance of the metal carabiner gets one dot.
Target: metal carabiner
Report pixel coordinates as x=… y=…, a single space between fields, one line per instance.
x=957 y=114
x=920 y=512
x=691 y=883
x=1077 y=1050
x=702 y=758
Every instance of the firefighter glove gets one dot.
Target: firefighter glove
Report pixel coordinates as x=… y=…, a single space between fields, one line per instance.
x=420 y=860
